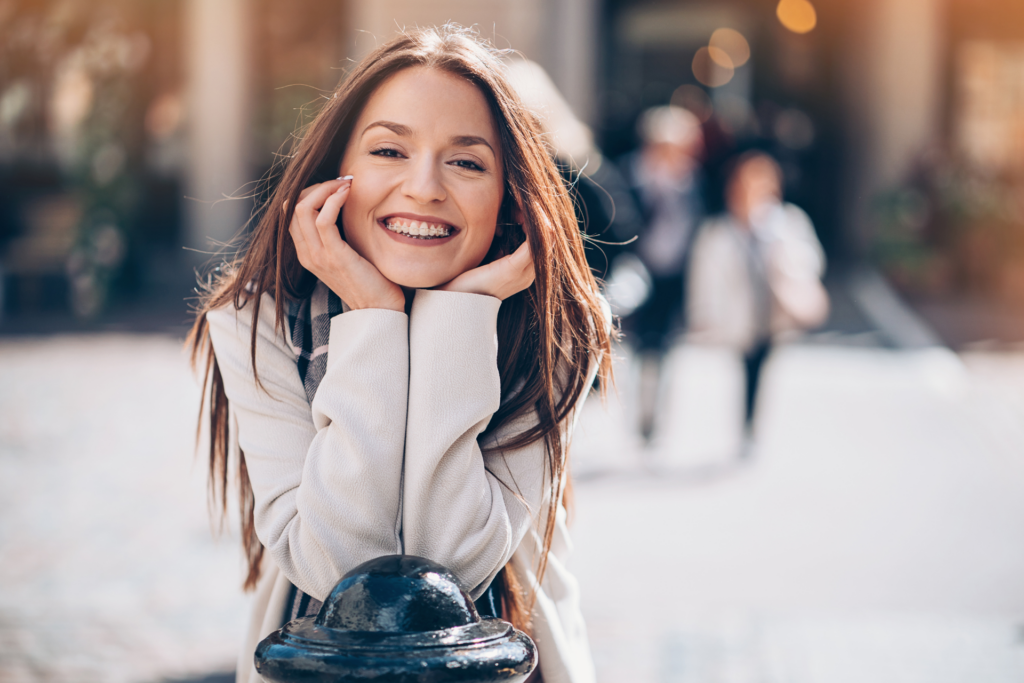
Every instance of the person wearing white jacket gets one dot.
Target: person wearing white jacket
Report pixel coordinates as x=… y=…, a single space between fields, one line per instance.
x=756 y=272
x=397 y=359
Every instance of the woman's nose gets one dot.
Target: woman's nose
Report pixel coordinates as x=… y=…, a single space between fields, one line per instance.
x=423 y=182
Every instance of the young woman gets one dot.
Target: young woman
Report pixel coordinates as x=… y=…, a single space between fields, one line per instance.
x=402 y=349
x=756 y=273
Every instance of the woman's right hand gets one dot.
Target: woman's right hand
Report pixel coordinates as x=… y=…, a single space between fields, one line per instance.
x=323 y=252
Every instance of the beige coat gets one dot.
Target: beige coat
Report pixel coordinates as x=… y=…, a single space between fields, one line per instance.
x=385 y=460
x=721 y=298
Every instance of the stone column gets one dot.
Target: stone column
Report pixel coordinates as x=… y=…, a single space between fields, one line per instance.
x=894 y=98
x=217 y=34
x=570 y=55
x=507 y=23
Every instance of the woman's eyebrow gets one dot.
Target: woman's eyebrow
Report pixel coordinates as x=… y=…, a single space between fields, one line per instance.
x=406 y=131
x=397 y=128
x=469 y=141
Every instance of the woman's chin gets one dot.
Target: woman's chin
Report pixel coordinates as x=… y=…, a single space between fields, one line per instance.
x=425 y=280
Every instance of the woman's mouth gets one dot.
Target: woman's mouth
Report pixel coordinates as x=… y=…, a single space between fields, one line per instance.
x=417 y=229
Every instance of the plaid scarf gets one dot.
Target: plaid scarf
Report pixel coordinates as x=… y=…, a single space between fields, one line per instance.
x=310 y=323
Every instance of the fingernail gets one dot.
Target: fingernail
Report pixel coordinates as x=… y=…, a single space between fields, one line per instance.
x=345 y=177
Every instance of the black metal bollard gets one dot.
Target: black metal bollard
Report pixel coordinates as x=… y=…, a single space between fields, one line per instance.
x=397 y=619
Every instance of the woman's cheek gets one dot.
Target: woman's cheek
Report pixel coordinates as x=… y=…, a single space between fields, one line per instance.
x=351 y=230
x=483 y=249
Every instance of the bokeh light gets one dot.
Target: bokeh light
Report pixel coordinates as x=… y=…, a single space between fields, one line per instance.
x=71 y=100
x=720 y=57
x=164 y=115
x=732 y=43
x=798 y=16
x=713 y=69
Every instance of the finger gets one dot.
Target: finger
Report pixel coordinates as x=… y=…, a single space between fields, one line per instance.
x=296 y=233
x=297 y=237
x=303 y=228
x=517 y=263
x=509 y=274
x=526 y=270
x=307 y=212
x=301 y=238
x=522 y=255
x=327 y=219
x=331 y=183
x=302 y=195
x=301 y=248
x=312 y=198
x=519 y=267
x=529 y=271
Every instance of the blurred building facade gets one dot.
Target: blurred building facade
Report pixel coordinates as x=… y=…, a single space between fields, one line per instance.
x=126 y=127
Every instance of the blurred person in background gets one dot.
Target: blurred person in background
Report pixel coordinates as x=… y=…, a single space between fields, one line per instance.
x=756 y=273
x=666 y=179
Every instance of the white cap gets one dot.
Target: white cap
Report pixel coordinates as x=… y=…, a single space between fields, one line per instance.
x=668 y=124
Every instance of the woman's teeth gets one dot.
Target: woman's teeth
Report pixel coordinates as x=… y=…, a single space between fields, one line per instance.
x=418 y=229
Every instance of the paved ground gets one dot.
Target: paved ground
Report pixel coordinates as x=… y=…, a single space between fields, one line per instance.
x=876 y=535
x=108 y=568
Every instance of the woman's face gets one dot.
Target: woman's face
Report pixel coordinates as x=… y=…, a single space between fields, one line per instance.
x=427 y=178
x=752 y=186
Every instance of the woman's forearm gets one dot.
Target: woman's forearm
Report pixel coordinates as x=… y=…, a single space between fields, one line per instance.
x=326 y=480
x=464 y=509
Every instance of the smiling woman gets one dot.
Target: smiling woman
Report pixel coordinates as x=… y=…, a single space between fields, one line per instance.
x=432 y=179
x=397 y=358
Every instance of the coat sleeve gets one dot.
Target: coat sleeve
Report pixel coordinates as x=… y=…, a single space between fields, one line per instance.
x=326 y=477
x=463 y=508
x=797 y=251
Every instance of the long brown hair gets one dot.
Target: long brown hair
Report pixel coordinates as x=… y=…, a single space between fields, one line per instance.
x=558 y=322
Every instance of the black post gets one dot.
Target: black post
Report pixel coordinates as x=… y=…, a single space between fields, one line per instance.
x=397 y=619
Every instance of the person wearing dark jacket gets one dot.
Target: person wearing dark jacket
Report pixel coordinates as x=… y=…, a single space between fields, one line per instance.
x=665 y=177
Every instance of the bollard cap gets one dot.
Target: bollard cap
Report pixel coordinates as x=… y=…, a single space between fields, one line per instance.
x=397 y=618
x=398 y=594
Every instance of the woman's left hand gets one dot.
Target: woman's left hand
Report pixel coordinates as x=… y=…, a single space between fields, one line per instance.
x=501 y=279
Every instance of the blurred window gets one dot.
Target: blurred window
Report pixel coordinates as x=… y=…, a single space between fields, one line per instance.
x=990 y=106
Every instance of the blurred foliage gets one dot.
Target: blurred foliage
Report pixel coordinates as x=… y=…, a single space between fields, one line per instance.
x=952 y=227
x=83 y=65
x=296 y=69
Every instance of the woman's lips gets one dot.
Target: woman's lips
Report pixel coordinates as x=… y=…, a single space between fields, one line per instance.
x=411 y=230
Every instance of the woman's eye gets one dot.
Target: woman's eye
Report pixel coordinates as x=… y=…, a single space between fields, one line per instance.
x=467 y=164
x=386 y=152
